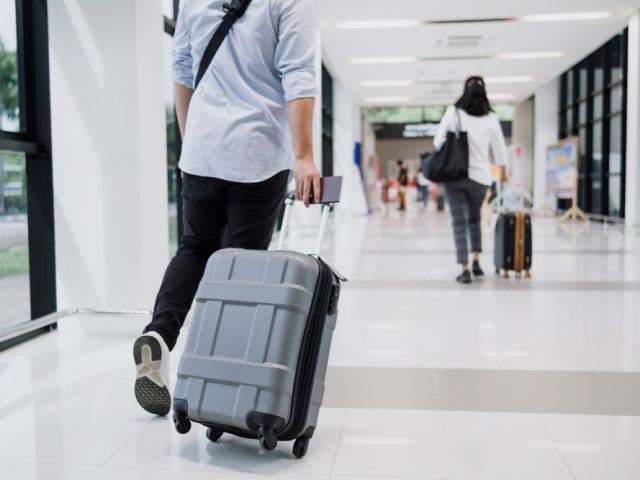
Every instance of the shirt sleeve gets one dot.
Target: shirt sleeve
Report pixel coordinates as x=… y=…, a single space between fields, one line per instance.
x=444 y=128
x=182 y=60
x=498 y=144
x=295 y=56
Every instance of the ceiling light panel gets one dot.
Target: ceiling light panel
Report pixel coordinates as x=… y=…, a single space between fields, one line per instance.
x=529 y=55
x=567 y=17
x=501 y=80
x=501 y=56
x=387 y=99
x=387 y=83
x=378 y=24
x=383 y=60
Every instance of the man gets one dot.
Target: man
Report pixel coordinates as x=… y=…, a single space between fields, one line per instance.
x=403 y=183
x=247 y=120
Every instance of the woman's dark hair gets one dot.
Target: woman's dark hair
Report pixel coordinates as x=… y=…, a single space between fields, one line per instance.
x=474 y=100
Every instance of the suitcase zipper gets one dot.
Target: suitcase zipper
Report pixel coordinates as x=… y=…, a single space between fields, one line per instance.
x=309 y=353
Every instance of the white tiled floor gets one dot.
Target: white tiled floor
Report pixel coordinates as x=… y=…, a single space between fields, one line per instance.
x=67 y=409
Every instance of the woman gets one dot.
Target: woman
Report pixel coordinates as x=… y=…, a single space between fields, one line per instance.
x=466 y=196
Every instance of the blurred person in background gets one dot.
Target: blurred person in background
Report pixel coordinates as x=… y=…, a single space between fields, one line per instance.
x=466 y=196
x=403 y=183
x=423 y=189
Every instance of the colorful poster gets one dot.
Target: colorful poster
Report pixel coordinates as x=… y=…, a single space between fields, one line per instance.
x=562 y=168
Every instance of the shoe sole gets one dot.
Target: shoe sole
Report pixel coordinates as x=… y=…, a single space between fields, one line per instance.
x=152 y=395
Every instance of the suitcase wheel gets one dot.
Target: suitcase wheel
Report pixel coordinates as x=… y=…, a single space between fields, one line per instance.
x=527 y=274
x=181 y=422
x=518 y=274
x=267 y=439
x=300 y=447
x=214 y=435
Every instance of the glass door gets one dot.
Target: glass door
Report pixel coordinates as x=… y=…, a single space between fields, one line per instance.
x=27 y=258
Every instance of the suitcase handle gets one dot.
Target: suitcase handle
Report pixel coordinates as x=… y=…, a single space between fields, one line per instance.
x=324 y=221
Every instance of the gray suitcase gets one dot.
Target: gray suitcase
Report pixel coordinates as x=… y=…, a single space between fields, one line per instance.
x=258 y=347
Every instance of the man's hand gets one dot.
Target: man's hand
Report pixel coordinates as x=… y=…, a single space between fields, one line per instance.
x=305 y=172
x=504 y=176
x=307 y=177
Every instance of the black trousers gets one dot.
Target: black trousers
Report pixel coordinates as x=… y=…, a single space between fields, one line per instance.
x=217 y=214
x=465 y=199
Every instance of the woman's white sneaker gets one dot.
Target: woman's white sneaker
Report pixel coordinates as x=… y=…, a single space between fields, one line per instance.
x=151 y=355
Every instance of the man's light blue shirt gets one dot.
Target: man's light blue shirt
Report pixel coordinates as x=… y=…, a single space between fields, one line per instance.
x=237 y=126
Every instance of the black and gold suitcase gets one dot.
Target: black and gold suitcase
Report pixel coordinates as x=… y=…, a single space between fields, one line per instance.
x=514 y=244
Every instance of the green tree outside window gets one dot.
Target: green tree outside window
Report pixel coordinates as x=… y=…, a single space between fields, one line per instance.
x=9 y=94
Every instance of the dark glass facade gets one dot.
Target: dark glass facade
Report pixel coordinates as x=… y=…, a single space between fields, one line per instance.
x=593 y=106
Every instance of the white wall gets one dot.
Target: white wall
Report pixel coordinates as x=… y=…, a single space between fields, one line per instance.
x=523 y=133
x=346 y=133
x=546 y=103
x=109 y=151
x=633 y=125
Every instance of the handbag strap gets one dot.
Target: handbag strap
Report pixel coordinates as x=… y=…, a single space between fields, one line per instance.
x=459 y=129
x=235 y=9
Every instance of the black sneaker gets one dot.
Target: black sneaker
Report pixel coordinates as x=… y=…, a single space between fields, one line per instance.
x=464 y=277
x=477 y=270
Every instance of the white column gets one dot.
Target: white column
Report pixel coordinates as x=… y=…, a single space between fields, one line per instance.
x=633 y=125
x=346 y=133
x=523 y=133
x=547 y=99
x=109 y=151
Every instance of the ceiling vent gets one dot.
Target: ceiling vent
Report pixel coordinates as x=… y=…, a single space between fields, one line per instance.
x=462 y=41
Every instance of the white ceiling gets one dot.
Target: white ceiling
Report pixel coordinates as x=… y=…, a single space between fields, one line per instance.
x=437 y=82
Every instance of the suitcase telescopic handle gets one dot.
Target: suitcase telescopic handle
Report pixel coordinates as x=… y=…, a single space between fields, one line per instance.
x=324 y=221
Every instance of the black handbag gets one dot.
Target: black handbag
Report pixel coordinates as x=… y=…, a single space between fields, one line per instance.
x=451 y=162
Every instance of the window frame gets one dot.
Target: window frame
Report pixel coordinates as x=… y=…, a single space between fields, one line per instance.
x=35 y=142
x=170 y=29
x=588 y=176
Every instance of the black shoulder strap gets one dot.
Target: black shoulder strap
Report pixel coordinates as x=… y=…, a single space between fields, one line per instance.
x=235 y=9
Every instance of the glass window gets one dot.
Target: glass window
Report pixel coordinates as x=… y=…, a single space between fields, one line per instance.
x=598 y=70
x=616 y=99
x=596 y=163
x=583 y=141
x=615 y=195
x=596 y=196
x=569 y=118
x=433 y=114
x=583 y=113
x=172 y=147
x=584 y=80
x=394 y=115
x=505 y=112
x=570 y=96
x=9 y=81
x=615 y=145
x=15 y=304
x=598 y=107
x=617 y=72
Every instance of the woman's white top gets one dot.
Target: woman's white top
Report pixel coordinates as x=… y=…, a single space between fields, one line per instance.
x=484 y=133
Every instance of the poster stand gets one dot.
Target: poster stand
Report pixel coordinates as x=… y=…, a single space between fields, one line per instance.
x=574 y=213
